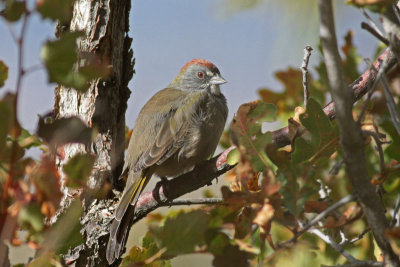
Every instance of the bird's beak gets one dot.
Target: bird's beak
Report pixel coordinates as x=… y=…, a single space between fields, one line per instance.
x=217 y=79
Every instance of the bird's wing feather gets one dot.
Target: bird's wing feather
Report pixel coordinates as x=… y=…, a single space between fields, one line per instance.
x=170 y=136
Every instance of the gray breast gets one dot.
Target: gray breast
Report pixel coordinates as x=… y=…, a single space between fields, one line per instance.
x=206 y=127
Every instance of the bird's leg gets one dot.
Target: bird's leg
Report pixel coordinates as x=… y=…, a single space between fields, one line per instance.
x=163 y=179
x=159 y=184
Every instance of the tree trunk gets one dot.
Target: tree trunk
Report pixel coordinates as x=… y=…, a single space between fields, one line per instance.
x=105 y=24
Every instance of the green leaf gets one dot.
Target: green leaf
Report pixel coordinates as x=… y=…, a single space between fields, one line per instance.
x=30 y=217
x=218 y=244
x=3 y=73
x=78 y=170
x=150 y=245
x=65 y=233
x=55 y=9
x=247 y=132
x=323 y=135
x=264 y=112
x=231 y=256
x=46 y=259
x=28 y=140
x=61 y=60
x=59 y=57
x=220 y=215
x=392 y=151
x=233 y=157
x=183 y=233
x=14 y=10
x=138 y=255
x=64 y=131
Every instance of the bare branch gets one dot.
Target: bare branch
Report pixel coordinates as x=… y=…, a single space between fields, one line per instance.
x=304 y=69
x=378 y=143
x=395 y=212
x=34 y=68
x=379 y=74
x=391 y=26
x=353 y=240
x=392 y=107
x=371 y=22
x=318 y=218
x=375 y=33
x=329 y=240
x=351 y=138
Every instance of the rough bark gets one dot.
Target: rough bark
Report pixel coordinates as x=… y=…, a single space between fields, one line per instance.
x=105 y=24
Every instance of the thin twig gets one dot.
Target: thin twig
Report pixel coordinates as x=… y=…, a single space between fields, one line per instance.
x=304 y=69
x=12 y=33
x=371 y=30
x=15 y=131
x=355 y=239
x=14 y=134
x=378 y=143
x=195 y=201
x=33 y=68
x=371 y=22
x=329 y=240
x=319 y=217
x=336 y=168
x=392 y=107
x=371 y=90
x=395 y=212
x=397 y=12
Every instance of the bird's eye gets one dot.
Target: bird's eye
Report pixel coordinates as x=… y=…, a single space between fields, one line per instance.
x=200 y=75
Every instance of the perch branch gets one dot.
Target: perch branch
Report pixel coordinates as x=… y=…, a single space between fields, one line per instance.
x=194 y=201
x=166 y=191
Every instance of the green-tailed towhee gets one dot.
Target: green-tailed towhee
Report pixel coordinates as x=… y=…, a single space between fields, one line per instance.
x=177 y=128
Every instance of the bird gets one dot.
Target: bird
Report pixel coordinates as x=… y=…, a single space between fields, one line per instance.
x=179 y=127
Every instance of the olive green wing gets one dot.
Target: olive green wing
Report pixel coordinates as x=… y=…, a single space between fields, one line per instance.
x=171 y=134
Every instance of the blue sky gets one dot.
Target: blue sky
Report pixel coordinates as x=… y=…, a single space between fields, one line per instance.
x=247 y=47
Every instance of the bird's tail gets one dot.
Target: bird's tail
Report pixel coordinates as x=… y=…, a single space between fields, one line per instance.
x=123 y=218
